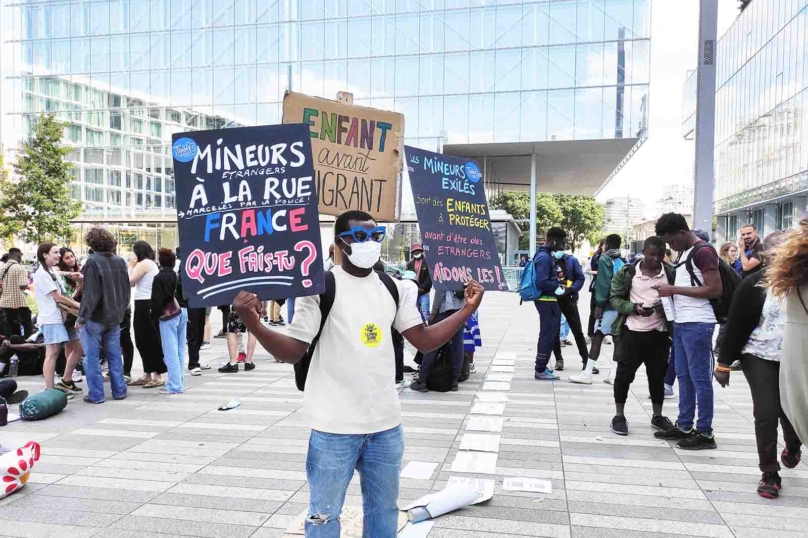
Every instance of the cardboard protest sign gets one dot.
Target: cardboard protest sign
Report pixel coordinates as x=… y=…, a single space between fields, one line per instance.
x=454 y=221
x=247 y=214
x=357 y=154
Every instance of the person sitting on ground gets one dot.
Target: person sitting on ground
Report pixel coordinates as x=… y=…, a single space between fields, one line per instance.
x=605 y=315
x=755 y=324
x=9 y=392
x=643 y=330
x=350 y=397
x=26 y=352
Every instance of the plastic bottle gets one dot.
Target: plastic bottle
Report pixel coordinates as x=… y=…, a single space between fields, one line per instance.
x=15 y=363
x=3 y=412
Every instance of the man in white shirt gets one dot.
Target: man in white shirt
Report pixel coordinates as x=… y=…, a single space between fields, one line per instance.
x=692 y=331
x=350 y=396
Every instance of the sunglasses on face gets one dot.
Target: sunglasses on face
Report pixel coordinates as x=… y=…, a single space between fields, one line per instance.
x=360 y=235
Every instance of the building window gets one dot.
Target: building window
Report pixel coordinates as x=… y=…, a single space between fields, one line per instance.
x=94 y=176
x=732 y=226
x=757 y=219
x=114 y=178
x=785 y=215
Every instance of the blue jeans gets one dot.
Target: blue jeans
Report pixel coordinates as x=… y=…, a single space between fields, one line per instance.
x=693 y=344
x=290 y=310
x=330 y=466
x=423 y=306
x=549 y=330
x=94 y=337
x=172 y=335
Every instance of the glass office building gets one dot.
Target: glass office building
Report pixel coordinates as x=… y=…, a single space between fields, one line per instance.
x=761 y=129
x=126 y=74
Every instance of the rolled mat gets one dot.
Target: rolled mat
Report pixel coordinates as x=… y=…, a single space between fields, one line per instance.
x=43 y=404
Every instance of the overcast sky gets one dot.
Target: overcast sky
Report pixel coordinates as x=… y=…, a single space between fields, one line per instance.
x=666 y=158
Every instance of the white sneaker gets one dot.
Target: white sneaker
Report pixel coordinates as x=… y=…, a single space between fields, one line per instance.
x=196 y=371
x=581 y=379
x=472 y=368
x=77 y=377
x=608 y=380
x=612 y=374
x=206 y=345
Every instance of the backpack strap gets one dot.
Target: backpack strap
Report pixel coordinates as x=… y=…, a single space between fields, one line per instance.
x=387 y=280
x=326 y=302
x=694 y=280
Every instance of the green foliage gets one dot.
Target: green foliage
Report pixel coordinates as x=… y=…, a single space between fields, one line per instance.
x=580 y=216
x=39 y=206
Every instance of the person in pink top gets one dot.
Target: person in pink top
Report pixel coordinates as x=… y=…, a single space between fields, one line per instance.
x=643 y=330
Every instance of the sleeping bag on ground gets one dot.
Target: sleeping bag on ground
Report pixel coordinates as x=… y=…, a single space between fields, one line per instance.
x=43 y=404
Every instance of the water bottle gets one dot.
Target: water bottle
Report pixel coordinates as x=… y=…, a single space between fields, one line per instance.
x=15 y=363
x=3 y=412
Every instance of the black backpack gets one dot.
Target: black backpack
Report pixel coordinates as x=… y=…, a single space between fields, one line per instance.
x=730 y=280
x=326 y=302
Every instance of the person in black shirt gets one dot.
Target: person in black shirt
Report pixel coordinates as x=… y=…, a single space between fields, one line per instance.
x=749 y=248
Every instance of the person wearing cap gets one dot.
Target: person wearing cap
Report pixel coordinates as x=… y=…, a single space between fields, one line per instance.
x=418 y=266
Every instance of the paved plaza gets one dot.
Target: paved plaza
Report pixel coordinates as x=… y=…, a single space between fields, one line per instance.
x=154 y=466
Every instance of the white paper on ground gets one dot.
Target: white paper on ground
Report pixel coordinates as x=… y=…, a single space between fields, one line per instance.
x=496 y=385
x=445 y=501
x=502 y=362
x=416 y=530
x=534 y=485
x=500 y=377
x=475 y=462
x=492 y=397
x=504 y=369
x=485 y=424
x=505 y=355
x=482 y=486
x=488 y=409
x=480 y=442
x=419 y=470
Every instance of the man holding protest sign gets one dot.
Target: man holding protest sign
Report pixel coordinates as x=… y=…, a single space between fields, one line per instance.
x=350 y=395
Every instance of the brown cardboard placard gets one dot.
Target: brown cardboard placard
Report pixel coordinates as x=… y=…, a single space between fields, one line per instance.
x=351 y=522
x=357 y=154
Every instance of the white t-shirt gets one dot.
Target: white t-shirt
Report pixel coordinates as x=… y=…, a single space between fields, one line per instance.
x=350 y=387
x=44 y=284
x=691 y=309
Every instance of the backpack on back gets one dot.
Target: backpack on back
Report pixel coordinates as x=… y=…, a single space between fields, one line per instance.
x=326 y=302
x=528 y=283
x=730 y=280
x=617 y=265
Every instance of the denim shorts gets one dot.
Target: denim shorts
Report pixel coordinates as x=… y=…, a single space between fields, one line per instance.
x=56 y=333
x=604 y=324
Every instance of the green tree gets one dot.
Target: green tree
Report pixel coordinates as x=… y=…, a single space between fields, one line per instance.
x=39 y=206
x=517 y=204
x=582 y=217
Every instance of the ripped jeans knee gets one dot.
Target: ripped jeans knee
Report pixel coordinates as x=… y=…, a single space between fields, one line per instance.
x=320 y=518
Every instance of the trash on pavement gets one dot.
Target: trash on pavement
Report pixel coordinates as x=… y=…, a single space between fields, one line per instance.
x=436 y=504
x=533 y=485
x=232 y=404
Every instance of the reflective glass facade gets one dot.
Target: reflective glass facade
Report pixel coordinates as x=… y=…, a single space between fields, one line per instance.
x=761 y=128
x=126 y=74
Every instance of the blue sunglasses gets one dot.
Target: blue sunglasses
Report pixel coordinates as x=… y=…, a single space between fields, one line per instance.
x=360 y=235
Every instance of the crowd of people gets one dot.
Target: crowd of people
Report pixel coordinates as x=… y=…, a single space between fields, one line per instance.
x=747 y=302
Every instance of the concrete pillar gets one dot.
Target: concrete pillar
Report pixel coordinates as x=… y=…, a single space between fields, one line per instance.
x=705 y=116
x=769 y=220
x=532 y=205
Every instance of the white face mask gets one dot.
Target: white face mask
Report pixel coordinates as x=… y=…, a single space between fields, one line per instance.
x=364 y=255
x=417 y=256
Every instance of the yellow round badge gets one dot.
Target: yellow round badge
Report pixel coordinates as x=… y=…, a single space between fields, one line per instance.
x=371 y=335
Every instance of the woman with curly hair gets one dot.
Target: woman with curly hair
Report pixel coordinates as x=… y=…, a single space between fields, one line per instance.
x=787 y=277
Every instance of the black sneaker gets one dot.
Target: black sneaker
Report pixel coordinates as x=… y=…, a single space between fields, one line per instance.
x=419 y=386
x=620 y=425
x=595 y=370
x=559 y=365
x=249 y=366
x=455 y=387
x=221 y=334
x=661 y=423
x=21 y=395
x=281 y=323
x=68 y=387
x=789 y=459
x=229 y=368
x=409 y=369
x=697 y=441
x=769 y=486
x=673 y=434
